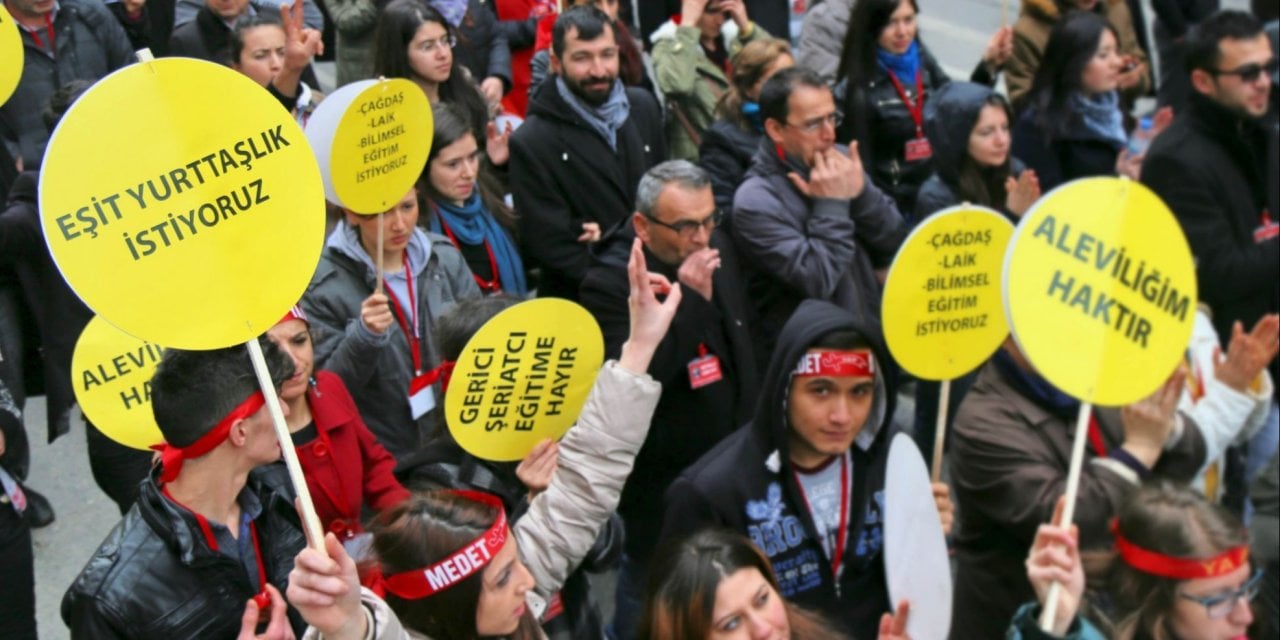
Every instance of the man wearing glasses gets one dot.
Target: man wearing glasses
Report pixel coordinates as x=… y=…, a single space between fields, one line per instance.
x=1211 y=166
x=807 y=221
x=704 y=363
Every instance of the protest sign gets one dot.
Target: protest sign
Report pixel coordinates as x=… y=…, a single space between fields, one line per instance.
x=11 y=56
x=916 y=564
x=111 y=375
x=523 y=378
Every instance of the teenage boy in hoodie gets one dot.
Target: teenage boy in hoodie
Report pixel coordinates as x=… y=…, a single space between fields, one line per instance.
x=805 y=479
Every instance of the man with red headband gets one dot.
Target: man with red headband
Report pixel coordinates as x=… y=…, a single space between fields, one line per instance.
x=805 y=479
x=207 y=549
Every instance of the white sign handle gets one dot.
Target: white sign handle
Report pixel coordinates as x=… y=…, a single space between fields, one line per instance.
x=310 y=522
x=1068 y=510
x=940 y=433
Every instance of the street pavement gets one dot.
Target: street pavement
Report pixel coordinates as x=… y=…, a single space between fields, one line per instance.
x=955 y=30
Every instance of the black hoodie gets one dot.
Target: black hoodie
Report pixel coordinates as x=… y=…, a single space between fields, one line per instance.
x=747 y=484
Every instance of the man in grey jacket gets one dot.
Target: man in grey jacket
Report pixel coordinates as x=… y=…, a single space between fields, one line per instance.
x=62 y=41
x=808 y=222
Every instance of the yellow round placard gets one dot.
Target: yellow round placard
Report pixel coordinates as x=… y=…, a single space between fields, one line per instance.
x=1100 y=290
x=183 y=204
x=523 y=377
x=111 y=374
x=371 y=139
x=942 y=311
x=11 y=56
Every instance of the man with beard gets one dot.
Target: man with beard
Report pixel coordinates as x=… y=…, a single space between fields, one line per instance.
x=1211 y=167
x=577 y=159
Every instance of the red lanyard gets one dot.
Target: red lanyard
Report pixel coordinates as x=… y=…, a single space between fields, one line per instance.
x=487 y=286
x=1095 y=437
x=842 y=534
x=262 y=599
x=916 y=109
x=53 y=37
x=411 y=336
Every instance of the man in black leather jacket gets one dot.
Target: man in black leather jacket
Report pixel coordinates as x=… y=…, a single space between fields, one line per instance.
x=212 y=538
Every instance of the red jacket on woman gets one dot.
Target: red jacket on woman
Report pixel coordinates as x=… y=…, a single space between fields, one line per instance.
x=345 y=466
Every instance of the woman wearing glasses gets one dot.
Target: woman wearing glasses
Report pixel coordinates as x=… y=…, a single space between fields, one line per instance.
x=415 y=42
x=1180 y=571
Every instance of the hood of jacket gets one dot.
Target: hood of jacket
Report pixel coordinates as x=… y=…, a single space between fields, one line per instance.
x=812 y=320
x=346 y=240
x=949 y=119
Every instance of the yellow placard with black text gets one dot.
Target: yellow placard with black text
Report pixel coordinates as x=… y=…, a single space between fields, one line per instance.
x=11 y=56
x=111 y=375
x=1100 y=290
x=523 y=377
x=182 y=203
x=371 y=139
x=942 y=311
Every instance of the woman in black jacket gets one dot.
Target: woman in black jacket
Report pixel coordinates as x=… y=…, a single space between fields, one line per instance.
x=886 y=76
x=1071 y=124
x=730 y=141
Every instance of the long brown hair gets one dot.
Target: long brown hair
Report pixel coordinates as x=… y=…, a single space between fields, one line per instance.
x=1171 y=520
x=421 y=531
x=682 y=588
x=749 y=66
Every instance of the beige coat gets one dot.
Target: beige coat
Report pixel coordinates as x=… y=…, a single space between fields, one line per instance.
x=1031 y=35
x=562 y=522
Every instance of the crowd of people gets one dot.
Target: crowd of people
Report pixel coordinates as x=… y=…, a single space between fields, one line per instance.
x=723 y=187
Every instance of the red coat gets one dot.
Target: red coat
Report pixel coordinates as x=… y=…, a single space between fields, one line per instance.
x=345 y=466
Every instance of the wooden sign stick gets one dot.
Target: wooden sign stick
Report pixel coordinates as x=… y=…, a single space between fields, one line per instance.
x=377 y=259
x=940 y=434
x=1069 y=509
x=310 y=521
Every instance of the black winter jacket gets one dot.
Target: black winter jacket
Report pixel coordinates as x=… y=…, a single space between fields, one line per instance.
x=563 y=174
x=483 y=47
x=154 y=576
x=1057 y=160
x=726 y=153
x=1212 y=168
x=746 y=484
x=687 y=422
x=59 y=314
x=877 y=118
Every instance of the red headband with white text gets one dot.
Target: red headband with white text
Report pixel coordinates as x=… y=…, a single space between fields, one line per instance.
x=458 y=566
x=1175 y=568
x=836 y=364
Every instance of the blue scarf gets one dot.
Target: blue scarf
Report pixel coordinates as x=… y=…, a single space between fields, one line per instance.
x=1100 y=117
x=1035 y=388
x=905 y=65
x=751 y=111
x=606 y=119
x=473 y=225
x=452 y=10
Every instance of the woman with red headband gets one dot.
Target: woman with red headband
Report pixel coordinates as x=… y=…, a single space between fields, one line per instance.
x=449 y=565
x=1180 y=571
x=345 y=466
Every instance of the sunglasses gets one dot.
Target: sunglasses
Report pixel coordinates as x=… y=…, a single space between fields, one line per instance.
x=1250 y=72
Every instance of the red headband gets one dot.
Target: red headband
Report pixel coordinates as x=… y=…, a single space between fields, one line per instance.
x=172 y=457
x=295 y=313
x=860 y=363
x=1158 y=564
x=456 y=567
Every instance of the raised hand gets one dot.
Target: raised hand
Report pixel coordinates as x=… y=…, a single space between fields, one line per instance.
x=375 y=313
x=698 y=270
x=1023 y=192
x=946 y=510
x=326 y=591
x=1055 y=557
x=833 y=175
x=1248 y=354
x=1149 y=422
x=894 y=626
x=999 y=48
x=496 y=144
x=590 y=232
x=650 y=318
x=539 y=467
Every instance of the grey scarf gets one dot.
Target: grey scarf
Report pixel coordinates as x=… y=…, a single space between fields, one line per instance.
x=1100 y=118
x=606 y=119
